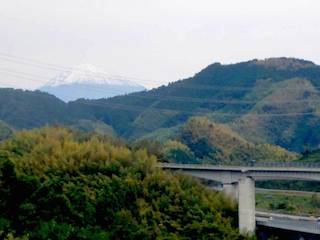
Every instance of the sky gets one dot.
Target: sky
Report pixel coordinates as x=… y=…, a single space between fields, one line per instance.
x=150 y=42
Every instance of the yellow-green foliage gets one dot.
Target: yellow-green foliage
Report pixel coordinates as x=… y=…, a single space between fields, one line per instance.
x=49 y=149
x=98 y=127
x=175 y=151
x=219 y=144
x=58 y=184
x=10 y=236
x=269 y=153
x=173 y=144
x=5 y=131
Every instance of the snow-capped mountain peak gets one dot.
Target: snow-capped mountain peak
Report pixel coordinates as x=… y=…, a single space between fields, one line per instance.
x=88 y=81
x=87 y=74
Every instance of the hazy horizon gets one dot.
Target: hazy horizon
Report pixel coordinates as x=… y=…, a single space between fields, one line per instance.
x=151 y=42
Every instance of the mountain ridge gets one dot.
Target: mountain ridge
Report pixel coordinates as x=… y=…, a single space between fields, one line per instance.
x=283 y=90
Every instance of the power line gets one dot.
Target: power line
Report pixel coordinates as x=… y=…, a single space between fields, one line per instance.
x=40 y=64
x=227 y=101
x=237 y=88
x=160 y=97
x=32 y=77
x=23 y=73
x=60 y=68
x=32 y=60
x=21 y=76
x=157 y=97
x=142 y=109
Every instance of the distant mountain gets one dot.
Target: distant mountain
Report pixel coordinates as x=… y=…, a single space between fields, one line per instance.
x=287 y=115
x=274 y=101
x=29 y=109
x=311 y=157
x=5 y=131
x=87 y=81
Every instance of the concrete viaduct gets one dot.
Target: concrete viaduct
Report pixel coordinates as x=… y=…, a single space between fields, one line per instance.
x=239 y=183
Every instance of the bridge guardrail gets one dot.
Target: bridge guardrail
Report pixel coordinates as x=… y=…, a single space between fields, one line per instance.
x=284 y=164
x=256 y=164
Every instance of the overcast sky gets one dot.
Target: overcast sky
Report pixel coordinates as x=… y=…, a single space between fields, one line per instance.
x=154 y=42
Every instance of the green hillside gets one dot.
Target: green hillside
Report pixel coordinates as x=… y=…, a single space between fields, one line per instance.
x=5 y=131
x=202 y=140
x=94 y=126
x=28 y=109
x=60 y=184
x=311 y=157
x=274 y=101
x=279 y=124
x=266 y=101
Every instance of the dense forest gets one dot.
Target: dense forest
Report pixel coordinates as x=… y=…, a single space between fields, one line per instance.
x=274 y=101
x=83 y=181
x=5 y=131
x=58 y=183
x=200 y=140
x=271 y=101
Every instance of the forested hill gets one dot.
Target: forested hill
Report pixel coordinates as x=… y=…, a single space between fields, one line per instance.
x=273 y=101
x=266 y=101
x=61 y=184
x=28 y=109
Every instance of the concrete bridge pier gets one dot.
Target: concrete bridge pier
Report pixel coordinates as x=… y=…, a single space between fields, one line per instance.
x=244 y=178
x=231 y=190
x=247 y=221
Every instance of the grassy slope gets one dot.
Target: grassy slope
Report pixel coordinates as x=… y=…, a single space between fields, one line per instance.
x=288 y=97
x=291 y=202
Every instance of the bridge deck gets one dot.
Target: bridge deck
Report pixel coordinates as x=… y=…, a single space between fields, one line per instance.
x=234 y=173
x=241 y=180
x=288 y=168
x=288 y=222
